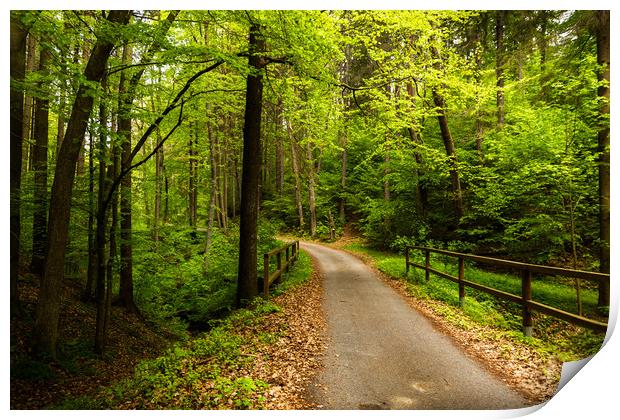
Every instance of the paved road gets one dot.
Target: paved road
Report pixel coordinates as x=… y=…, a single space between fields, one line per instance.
x=384 y=355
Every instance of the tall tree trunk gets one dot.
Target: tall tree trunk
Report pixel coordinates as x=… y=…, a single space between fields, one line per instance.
x=124 y=134
x=31 y=66
x=279 y=149
x=104 y=283
x=478 y=51
x=422 y=192
x=311 y=192
x=224 y=175
x=236 y=187
x=192 y=187
x=159 y=164
x=343 y=176
x=603 y=60
x=247 y=286
x=297 y=175
x=212 y=194
x=386 y=172
x=17 y=72
x=45 y=332
x=92 y=211
x=500 y=23
x=448 y=143
x=39 y=165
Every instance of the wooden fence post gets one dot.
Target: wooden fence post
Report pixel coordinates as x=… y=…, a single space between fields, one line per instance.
x=427 y=257
x=266 y=275
x=279 y=265
x=526 y=294
x=407 y=260
x=287 y=258
x=461 y=278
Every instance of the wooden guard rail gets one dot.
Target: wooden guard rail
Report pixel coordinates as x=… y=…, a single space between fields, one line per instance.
x=525 y=299
x=282 y=267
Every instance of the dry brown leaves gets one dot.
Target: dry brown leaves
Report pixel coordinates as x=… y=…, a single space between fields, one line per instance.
x=514 y=363
x=289 y=364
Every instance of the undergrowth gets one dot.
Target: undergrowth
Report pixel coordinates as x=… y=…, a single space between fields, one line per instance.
x=207 y=372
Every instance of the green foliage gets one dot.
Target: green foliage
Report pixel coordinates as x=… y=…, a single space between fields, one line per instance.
x=205 y=372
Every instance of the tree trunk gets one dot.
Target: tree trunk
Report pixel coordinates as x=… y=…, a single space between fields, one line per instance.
x=603 y=60
x=279 y=149
x=311 y=192
x=31 y=65
x=159 y=164
x=297 y=174
x=45 y=332
x=97 y=261
x=104 y=283
x=212 y=194
x=500 y=22
x=247 y=286
x=451 y=152
x=422 y=192
x=39 y=165
x=17 y=72
x=386 y=172
x=343 y=176
x=126 y=93
x=192 y=187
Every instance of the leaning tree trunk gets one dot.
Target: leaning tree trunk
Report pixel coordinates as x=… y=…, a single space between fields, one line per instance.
x=603 y=60
x=39 y=165
x=247 y=287
x=45 y=332
x=16 y=97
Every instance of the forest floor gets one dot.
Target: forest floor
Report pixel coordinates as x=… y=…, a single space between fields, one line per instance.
x=533 y=374
x=284 y=347
x=37 y=384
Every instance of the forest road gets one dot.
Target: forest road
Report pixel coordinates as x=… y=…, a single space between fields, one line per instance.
x=382 y=354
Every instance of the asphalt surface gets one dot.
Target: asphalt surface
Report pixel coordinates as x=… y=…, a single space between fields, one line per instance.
x=383 y=354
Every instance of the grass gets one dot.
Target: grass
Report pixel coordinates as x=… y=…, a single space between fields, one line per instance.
x=203 y=373
x=552 y=336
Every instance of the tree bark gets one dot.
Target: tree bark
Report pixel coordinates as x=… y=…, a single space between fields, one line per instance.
x=247 y=286
x=31 y=65
x=17 y=71
x=159 y=165
x=212 y=194
x=422 y=192
x=126 y=93
x=311 y=192
x=45 y=332
x=297 y=175
x=39 y=165
x=192 y=187
x=603 y=60
x=451 y=152
x=343 y=176
x=500 y=22
x=279 y=149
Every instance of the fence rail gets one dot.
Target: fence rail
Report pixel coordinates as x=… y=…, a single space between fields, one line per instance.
x=525 y=299
x=281 y=266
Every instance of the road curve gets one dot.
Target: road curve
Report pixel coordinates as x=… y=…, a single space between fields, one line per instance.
x=384 y=355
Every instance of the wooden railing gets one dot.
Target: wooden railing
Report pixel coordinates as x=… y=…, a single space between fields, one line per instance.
x=281 y=266
x=525 y=299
